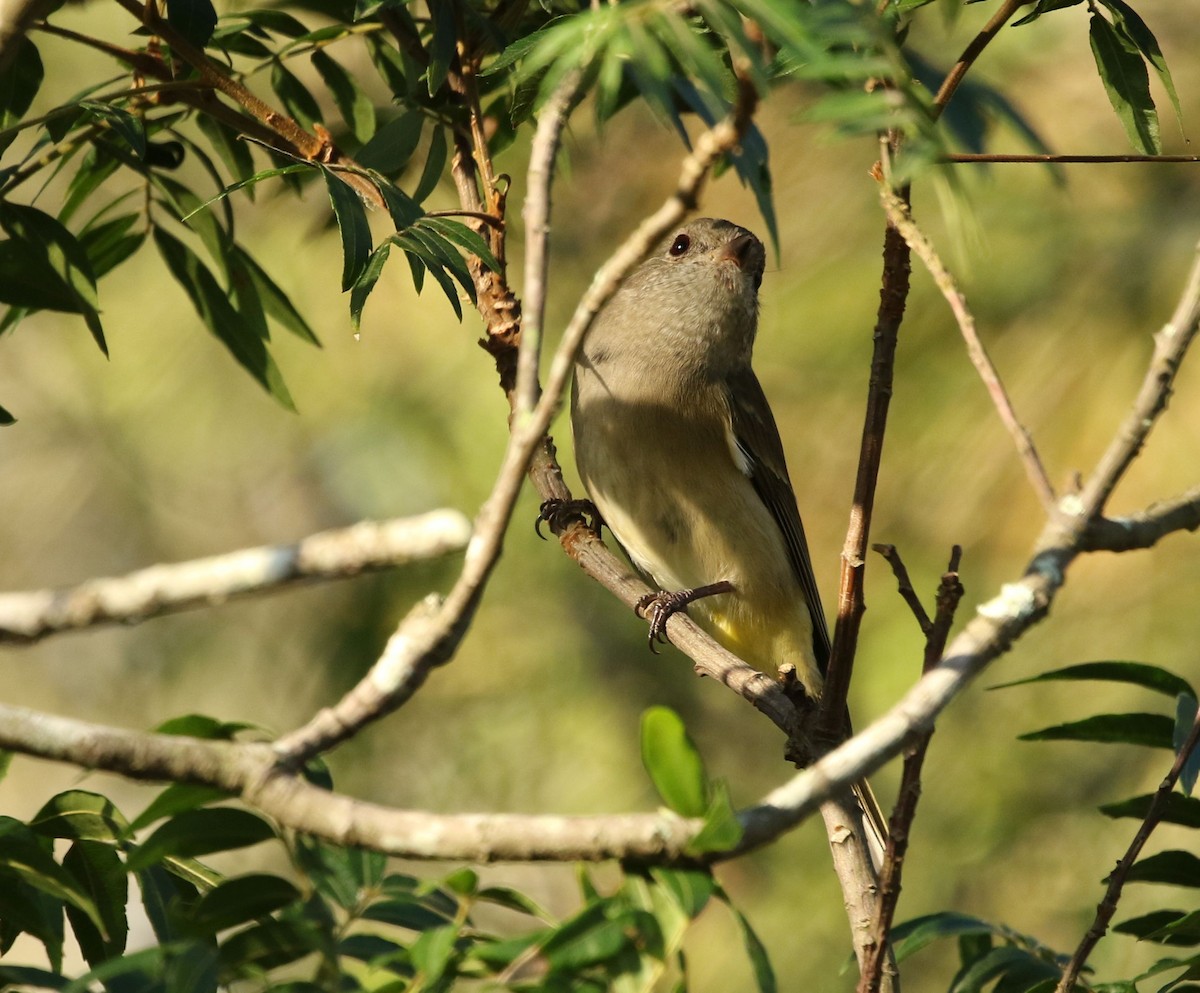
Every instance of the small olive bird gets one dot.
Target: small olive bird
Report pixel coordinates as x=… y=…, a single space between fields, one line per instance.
x=677 y=448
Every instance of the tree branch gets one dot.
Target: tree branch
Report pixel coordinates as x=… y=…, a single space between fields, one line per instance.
x=900 y=216
x=1124 y=534
x=163 y=589
x=973 y=50
x=1116 y=882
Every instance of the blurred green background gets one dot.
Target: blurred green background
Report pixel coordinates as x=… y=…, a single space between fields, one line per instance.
x=168 y=451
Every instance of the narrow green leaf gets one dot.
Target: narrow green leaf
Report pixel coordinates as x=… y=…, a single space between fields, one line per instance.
x=1127 y=84
x=1185 y=719
x=109 y=243
x=415 y=247
x=435 y=163
x=401 y=207
x=1044 y=7
x=294 y=96
x=1153 y=730
x=442 y=45
x=912 y=936
x=19 y=84
x=201 y=832
x=389 y=63
x=213 y=306
x=393 y=144
x=764 y=974
x=234 y=152
x=403 y=912
x=461 y=235
x=50 y=247
x=339 y=874
x=1150 y=677
x=432 y=951
x=352 y=103
x=1175 y=867
x=674 y=764
x=237 y=901
x=277 y=303
x=6 y=419
x=589 y=937
x=691 y=889
x=163 y=896
x=186 y=206
x=352 y=222
x=258 y=177
x=267 y=946
x=175 y=799
x=101 y=875
x=1130 y=24
x=1166 y=927
x=22 y=854
x=722 y=830
x=1005 y=961
x=81 y=815
x=23 y=977
x=366 y=283
x=194 y=19
x=25 y=910
x=203 y=726
x=1178 y=809
x=278 y=21
x=505 y=896
x=373 y=948
x=123 y=124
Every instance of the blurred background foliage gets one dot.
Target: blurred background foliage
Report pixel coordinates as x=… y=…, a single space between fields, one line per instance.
x=167 y=451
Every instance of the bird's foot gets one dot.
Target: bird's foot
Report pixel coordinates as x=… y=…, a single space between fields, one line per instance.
x=559 y=514
x=657 y=608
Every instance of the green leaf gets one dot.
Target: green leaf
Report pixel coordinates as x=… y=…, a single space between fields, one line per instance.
x=203 y=726
x=1009 y=961
x=435 y=163
x=1153 y=730
x=442 y=45
x=764 y=975
x=690 y=889
x=589 y=937
x=1166 y=927
x=1185 y=719
x=101 y=875
x=23 y=856
x=276 y=303
x=1044 y=7
x=266 y=946
x=26 y=910
x=339 y=874
x=20 y=81
x=505 y=896
x=201 y=832
x=184 y=205
x=122 y=123
x=352 y=222
x=43 y=248
x=1178 y=809
x=366 y=283
x=1150 y=677
x=1175 y=867
x=218 y=314
x=194 y=19
x=406 y=912
x=163 y=896
x=912 y=936
x=1130 y=24
x=24 y=977
x=393 y=145
x=6 y=418
x=295 y=97
x=175 y=799
x=81 y=815
x=431 y=953
x=417 y=248
x=462 y=236
x=237 y=901
x=234 y=152
x=722 y=830
x=1127 y=83
x=674 y=764
x=111 y=243
x=352 y=103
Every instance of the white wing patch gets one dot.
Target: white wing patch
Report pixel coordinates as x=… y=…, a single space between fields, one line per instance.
x=742 y=457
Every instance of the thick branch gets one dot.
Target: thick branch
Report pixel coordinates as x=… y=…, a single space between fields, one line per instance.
x=1144 y=530
x=162 y=589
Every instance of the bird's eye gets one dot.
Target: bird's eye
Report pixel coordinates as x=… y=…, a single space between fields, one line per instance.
x=680 y=245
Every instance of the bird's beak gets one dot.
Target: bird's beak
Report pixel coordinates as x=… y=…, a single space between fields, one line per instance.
x=739 y=250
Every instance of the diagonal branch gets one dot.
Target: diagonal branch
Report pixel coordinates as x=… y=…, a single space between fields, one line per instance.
x=900 y=216
x=164 y=589
x=1124 y=534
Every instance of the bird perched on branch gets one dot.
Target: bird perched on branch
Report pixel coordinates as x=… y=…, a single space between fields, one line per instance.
x=678 y=449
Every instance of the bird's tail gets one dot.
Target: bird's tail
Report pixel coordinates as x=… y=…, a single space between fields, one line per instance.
x=874 y=820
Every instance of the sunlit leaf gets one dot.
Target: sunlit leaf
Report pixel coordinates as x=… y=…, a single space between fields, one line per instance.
x=352 y=222
x=81 y=815
x=673 y=762
x=1150 y=677
x=1127 y=84
x=1130 y=24
x=1044 y=7
x=1153 y=730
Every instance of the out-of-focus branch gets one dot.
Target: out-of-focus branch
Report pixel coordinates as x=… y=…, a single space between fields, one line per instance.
x=900 y=216
x=428 y=639
x=1144 y=530
x=161 y=589
x=1116 y=882
x=937 y=631
x=1049 y=158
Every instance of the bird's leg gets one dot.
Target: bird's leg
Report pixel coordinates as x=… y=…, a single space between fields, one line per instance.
x=561 y=513
x=658 y=607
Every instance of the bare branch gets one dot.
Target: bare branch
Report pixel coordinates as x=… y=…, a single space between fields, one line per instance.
x=162 y=589
x=1001 y=158
x=1170 y=345
x=1144 y=530
x=899 y=214
x=974 y=49
x=1116 y=882
x=905 y=586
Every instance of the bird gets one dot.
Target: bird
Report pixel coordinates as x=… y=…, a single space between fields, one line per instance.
x=679 y=452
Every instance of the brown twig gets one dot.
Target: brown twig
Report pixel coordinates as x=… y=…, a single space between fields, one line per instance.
x=905 y=587
x=900 y=216
x=937 y=631
x=974 y=49
x=1116 y=882
x=1065 y=159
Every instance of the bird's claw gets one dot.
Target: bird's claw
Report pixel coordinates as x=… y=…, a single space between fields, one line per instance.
x=558 y=514
x=660 y=607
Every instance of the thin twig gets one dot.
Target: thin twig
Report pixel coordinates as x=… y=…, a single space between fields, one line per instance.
x=900 y=216
x=973 y=50
x=905 y=587
x=1003 y=158
x=949 y=593
x=367 y=546
x=1116 y=882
